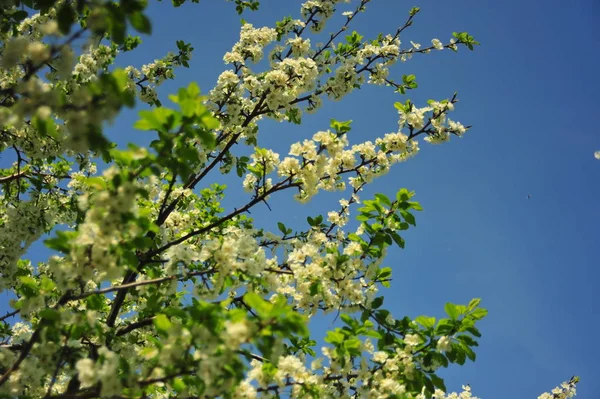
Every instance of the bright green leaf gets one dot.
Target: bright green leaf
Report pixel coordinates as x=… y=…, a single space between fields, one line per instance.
x=162 y=323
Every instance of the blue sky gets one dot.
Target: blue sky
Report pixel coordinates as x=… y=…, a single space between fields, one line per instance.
x=529 y=91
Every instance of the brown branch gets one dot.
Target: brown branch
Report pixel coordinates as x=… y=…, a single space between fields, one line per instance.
x=34 y=69
x=131 y=276
x=342 y=29
x=127 y=286
x=134 y=326
x=11 y=314
x=26 y=349
x=279 y=187
x=59 y=363
x=6 y=179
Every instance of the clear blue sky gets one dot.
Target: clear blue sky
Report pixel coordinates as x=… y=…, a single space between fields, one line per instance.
x=530 y=91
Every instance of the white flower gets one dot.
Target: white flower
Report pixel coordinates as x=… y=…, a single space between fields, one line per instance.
x=333 y=217
x=391 y=386
x=44 y=112
x=316 y=364
x=444 y=344
x=236 y=332
x=13 y=51
x=437 y=44
x=50 y=28
x=597 y=155
x=380 y=357
x=415 y=45
x=289 y=166
x=456 y=127
x=353 y=248
x=412 y=340
x=390 y=319
x=86 y=370
x=299 y=46
x=249 y=181
x=21 y=332
x=246 y=390
x=453 y=45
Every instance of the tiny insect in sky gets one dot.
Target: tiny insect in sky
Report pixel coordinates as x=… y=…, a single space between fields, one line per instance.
x=528 y=196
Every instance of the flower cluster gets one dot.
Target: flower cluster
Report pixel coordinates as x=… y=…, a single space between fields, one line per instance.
x=251 y=44
x=566 y=390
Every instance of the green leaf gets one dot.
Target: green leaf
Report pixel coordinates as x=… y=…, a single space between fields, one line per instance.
x=160 y=119
x=467 y=340
x=334 y=337
x=451 y=310
x=130 y=43
x=354 y=237
x=377 y=302
x=470 y=353
x=140 y=22
x=460 y=354
x=384 y=273
x=354 y=39
x=474 y=331
x=314 y=288
x=403 y=195
x=407 y=79
x=347 y=319
x=383 y=198
x=65 y=16
x=117 y=25
x=415 y=205
x=439 y=358
x=444 y=327
x=474 y=303
x=29 y=286
x=397 y=239
x=479 y=313
x=162 y=323
x=96 y=182
x=178 y=385
x=61 y=242
x=49 y=314
x=95 y=302
x=188 y=106
x=352 y=345
x=372 y=334
x=20 y=15
x=409 y=217
x=294 y=116
x=341 y=126
x=427 y=322
x=192 y=90
x=207 y=120
x=207 y=138
x=438 y=382
x=47 y=285
x=428 y=385
x=281 y=227
x=257 y=303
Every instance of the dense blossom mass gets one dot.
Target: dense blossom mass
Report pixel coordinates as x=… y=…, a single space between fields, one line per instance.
x=154 y=289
